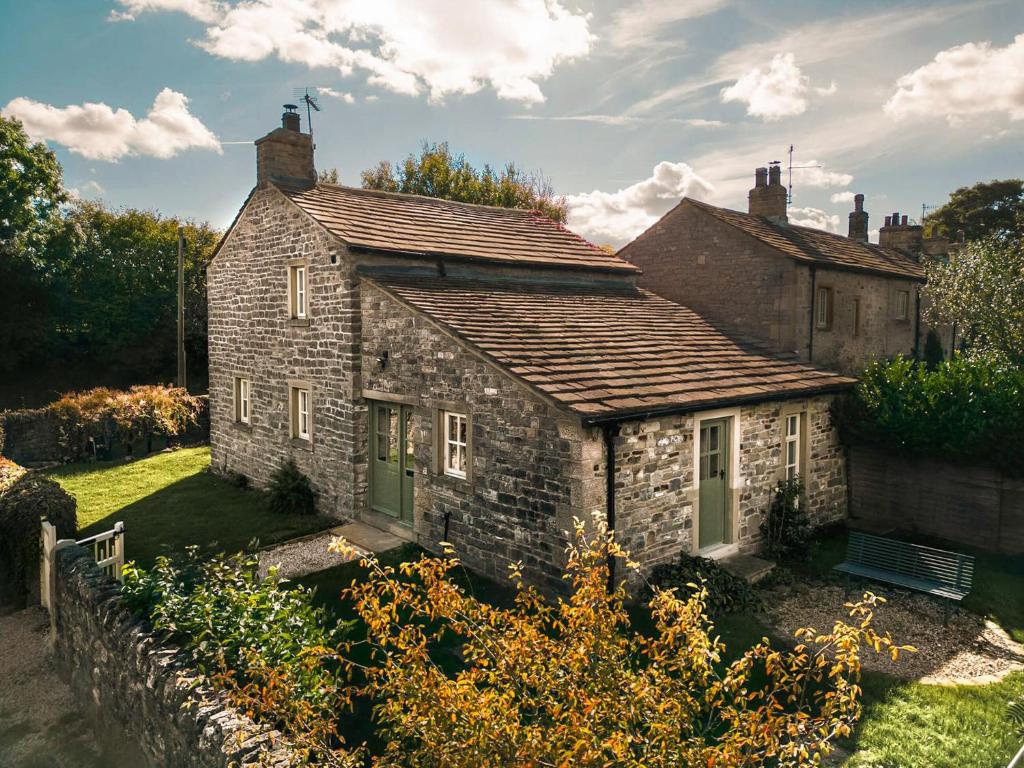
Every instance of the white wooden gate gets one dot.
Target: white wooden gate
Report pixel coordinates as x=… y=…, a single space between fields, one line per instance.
x=107 y=548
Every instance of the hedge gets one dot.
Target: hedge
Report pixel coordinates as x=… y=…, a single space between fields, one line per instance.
x=26 y=499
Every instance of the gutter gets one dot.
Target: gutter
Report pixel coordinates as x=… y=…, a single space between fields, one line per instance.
x=709 y=405
x=610 y=431
x=917 y=325
x=810 y=334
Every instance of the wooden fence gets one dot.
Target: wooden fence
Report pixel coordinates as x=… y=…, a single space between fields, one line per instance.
x=972 y=505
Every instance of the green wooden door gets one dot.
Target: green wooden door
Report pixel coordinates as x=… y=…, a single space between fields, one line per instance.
x=391 y=460
x=714 y=482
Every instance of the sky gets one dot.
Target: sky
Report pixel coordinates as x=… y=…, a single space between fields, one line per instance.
x=625 y=106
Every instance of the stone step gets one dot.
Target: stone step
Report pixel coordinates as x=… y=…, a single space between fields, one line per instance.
x=747 y=567
x=369 y=538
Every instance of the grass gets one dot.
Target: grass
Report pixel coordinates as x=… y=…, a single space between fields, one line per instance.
x=169 y=501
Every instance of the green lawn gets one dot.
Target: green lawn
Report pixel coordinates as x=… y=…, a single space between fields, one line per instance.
x=169 y=501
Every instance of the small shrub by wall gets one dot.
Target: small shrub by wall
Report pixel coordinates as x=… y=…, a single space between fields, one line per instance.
x=25 y=500
x=29 y=437
x=139 y=690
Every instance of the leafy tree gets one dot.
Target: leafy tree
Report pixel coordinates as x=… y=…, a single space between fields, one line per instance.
x=31 y=187
x=981 y=290
x=437 y=172
x=328 y=176
x=569 y=683
x=986 y=210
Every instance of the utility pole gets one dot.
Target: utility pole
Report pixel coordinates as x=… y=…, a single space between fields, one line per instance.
x=181 y=307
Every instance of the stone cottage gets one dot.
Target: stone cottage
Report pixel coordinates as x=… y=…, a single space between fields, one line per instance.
x=482 y=376
x=836 y=301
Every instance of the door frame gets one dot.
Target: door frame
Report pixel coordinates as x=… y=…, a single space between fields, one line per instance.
x=733 y=484
x=403 y=518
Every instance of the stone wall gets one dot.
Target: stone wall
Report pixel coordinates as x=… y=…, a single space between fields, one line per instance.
x=975 y=506
x=29 y=437
x=252 y=335
x=744 y=285
x=527 y=480
x=141 y=694
x=656 y=494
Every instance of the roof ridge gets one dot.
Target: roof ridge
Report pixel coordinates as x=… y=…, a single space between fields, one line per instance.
x=429 y=199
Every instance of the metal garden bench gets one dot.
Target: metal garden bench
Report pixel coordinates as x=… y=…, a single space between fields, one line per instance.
x=936 y=572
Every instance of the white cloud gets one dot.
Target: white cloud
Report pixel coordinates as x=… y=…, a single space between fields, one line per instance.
x=618 y=217
x=98 y=132
x=91 y=188
x=441 y=46
x=772 y=93
x=815 y=218
x=644 y=22
x=827 y=91
x=348 y=98
x=693 y=122
x=842 y=197
x=814 y=174
x=964 y=81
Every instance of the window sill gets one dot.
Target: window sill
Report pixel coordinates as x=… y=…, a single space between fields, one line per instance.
x=241 y=426
x=298 y=322
x=302 y=443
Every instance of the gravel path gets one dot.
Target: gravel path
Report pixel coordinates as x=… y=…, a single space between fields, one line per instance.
x=970 y=650
x=40 y=726
x=301 y=556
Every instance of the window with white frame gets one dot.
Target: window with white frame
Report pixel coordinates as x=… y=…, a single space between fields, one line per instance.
x=792 y=445
x=902 y=305
x=242 y=400
x=823 y=316
x=301 y=413
x=297 y=291
x=456 y=443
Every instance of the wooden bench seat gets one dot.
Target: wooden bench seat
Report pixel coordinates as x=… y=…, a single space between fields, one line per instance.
x=936 y=572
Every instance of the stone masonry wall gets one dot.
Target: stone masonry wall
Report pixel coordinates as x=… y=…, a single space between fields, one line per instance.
x=140 y=691
x=252 y=335
x=695 y=260
x=743 y=284
x=656 y=497
x=527 y=481
x=29 y=436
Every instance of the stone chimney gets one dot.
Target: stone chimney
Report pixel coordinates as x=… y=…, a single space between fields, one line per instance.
x=858 y=220
x=285 y=155
x=768 y=197
x=897 y=233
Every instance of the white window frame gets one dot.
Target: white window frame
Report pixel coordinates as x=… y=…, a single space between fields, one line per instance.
x=902 y=305
x=461 y=446
x=792 y=429
x=243 y=400
x=823 y=308
x=298 y=291
x=300 y=407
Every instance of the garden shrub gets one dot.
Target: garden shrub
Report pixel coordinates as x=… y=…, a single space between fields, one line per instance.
x=689 y=575
x=106 y=418
x=787 y=527
x=966 y=410
x=25 y=500
x=274 y=652
x=290 y=492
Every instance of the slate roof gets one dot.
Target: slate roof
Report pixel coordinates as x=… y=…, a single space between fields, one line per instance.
x=415 y=225
x=604 y=351
x=816 y=246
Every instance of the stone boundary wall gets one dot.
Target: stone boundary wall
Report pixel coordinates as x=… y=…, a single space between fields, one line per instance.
x=139 y=692
x=972 y=505
x=29 y=437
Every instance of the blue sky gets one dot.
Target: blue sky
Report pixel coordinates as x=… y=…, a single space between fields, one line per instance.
x=625 y=106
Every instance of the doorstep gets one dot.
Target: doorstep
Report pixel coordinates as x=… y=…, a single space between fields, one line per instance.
x=369 y=537
x=747 y=567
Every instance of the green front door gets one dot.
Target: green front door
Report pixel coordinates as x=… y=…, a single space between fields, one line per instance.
x=714 y=482
x=391 y=460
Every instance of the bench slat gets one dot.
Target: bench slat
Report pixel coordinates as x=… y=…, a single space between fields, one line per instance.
x=924 y=569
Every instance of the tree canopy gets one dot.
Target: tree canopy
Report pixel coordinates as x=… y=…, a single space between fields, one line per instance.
x=986 y=210
x=31 y=187
x=981 y=290
x=438 y=172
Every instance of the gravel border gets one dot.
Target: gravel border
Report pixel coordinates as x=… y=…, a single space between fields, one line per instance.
x=303 y=556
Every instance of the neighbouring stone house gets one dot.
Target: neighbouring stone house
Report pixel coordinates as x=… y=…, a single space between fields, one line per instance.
x=836 y=301
x=482 y=376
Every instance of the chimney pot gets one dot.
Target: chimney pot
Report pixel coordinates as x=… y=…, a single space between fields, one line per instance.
x=761 y=177
x=888 y=221
x=858 y=202
x=774 y=174
x=290 y=120
x=768 y=197
x=858 y=220
x=903 y=221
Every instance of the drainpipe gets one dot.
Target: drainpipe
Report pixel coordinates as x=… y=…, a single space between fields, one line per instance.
x=610 y=432
x=810 y=334
x=917 y=325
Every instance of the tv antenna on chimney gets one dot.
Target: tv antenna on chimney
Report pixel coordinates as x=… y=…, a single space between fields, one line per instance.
x=312 y=103
x=789 y=196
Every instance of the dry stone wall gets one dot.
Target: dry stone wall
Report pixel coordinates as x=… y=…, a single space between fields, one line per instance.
x=139 y=692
